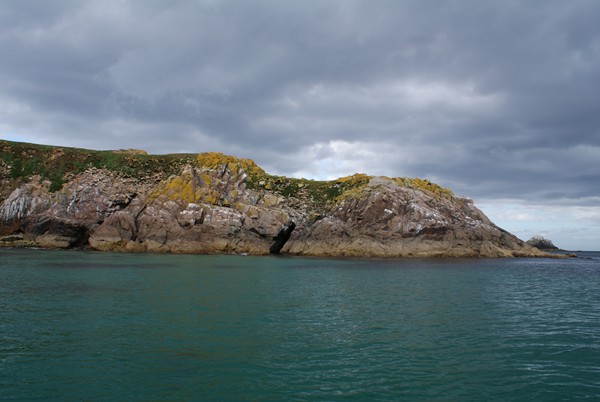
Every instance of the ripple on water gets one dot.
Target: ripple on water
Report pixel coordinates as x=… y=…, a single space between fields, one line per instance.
x=79 y=325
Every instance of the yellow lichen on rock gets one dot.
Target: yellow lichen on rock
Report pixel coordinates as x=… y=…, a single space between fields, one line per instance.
x=130 y=151
x=357 y=178
x=177 y=188
x=424 y=185
x=214 y=160
x=214 y=203
x=190 y=186
x=351 y=186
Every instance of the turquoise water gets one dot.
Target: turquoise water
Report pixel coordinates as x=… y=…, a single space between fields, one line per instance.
x=93 y=326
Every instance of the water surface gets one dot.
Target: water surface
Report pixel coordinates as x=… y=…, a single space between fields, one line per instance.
x=78 y=325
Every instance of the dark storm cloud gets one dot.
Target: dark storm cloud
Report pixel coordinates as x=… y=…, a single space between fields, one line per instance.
x=495 y=99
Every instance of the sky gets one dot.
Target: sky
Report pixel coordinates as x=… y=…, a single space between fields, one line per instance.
x=497 y=100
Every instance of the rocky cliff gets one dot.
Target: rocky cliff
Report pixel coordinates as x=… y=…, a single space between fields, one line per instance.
x=213 y=203
x=542 y=243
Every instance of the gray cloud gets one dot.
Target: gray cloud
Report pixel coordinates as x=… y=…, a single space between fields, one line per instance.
x=494 y=99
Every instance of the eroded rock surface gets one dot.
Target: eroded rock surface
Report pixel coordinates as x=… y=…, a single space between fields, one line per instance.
x=212 y=203
x=541 y=243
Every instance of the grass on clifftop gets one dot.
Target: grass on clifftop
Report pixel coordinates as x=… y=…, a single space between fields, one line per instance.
x=424 y=185
x=317 y=192
x=21 y=160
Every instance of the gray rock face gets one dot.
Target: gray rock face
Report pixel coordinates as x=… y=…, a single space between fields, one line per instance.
x=541 y=243
x=198 y=211
x=386 y=219
x=223 y=207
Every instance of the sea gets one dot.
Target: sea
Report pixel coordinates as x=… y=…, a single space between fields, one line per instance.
x=89 y=326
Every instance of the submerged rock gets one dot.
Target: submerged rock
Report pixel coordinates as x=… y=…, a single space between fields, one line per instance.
x=213 y=203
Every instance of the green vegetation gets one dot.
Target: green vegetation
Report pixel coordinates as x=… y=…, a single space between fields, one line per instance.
x=55 y=164
x=425 y=185
x=326 y=193
x=318 y=193
x=23 y=160
x=215 y=160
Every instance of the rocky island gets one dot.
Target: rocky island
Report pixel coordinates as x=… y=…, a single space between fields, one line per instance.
x=127 y=200
x=542 y=243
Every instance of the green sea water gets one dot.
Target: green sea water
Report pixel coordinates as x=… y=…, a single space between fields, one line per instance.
x=87 y=326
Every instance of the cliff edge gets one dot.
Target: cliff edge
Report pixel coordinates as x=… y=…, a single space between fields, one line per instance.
x=213 y=203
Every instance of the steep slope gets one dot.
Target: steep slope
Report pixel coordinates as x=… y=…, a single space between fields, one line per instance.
x=213 y=203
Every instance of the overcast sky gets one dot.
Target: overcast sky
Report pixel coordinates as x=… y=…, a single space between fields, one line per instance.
x=498 y=100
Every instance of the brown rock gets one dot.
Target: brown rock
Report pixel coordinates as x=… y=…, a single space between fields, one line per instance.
x=219 y=204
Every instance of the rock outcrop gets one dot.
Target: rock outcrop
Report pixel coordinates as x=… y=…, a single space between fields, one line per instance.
x=541 y=243
x=213 y=203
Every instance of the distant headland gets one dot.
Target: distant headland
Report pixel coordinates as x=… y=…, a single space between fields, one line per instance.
x=210 y=203
x=542 y=243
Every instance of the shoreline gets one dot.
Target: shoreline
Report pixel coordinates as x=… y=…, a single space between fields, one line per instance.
x=26 y=244
x=211 y=203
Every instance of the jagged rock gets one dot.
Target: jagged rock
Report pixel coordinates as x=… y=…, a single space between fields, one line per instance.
x=541 y=243
x=387 y=219
x=212 y=203
x=26 y=200
x=117 y=230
